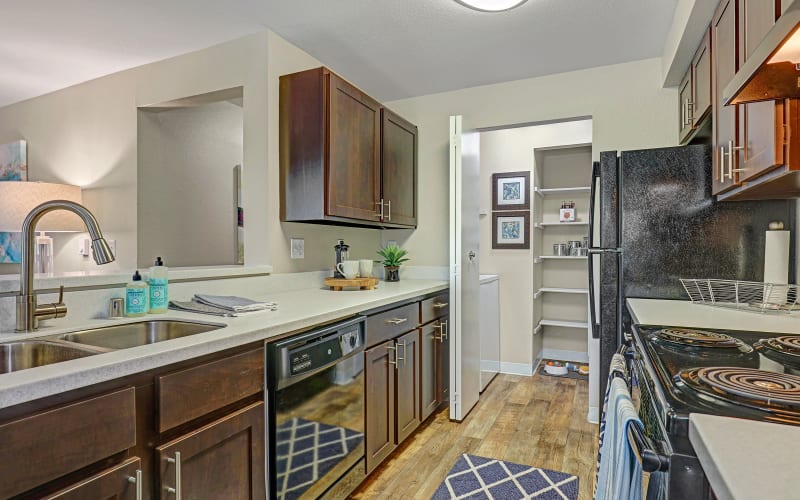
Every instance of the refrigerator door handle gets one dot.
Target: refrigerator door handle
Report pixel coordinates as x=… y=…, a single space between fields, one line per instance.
x=594 y=325
x=594 y=250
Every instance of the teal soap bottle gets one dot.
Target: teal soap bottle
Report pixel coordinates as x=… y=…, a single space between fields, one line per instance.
x=136 y=295
x=159 y=287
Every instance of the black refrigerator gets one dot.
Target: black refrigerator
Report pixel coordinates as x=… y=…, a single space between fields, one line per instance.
x=658 y=222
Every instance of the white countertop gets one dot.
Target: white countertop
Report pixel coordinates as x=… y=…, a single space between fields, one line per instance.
x=297 y=310
x=686 y=314
x=745 y=459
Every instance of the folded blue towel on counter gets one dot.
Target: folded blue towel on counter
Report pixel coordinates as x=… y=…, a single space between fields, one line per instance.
x=620 y=476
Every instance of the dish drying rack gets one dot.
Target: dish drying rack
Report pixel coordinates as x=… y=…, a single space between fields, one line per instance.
x=746 y=295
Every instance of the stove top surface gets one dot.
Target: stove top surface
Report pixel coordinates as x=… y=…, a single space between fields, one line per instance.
x=732 y=373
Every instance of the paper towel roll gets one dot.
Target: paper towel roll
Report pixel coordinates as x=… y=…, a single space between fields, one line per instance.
x=776 y=257
x=776 y=265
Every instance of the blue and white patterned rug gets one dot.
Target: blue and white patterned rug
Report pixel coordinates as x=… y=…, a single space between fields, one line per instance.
x=474 y=477
x=307 y=450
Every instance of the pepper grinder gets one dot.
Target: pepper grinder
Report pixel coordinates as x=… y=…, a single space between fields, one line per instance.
x=342 y=254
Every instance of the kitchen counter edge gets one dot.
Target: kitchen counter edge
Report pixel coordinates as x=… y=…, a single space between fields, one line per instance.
x=36 y=383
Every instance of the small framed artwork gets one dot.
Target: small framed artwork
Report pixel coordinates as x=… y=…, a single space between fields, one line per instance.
x=511 y=191
x=511 y=230
x=14 y=161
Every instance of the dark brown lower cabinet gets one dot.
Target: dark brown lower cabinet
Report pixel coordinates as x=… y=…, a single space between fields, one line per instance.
x=379 y=410
x=121 y=482
x=224 y=459
x=428 y=391
x=407 y=415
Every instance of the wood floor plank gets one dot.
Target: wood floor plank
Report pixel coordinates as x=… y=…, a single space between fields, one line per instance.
x=538 y=421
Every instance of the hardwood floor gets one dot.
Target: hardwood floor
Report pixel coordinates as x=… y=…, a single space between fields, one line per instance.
x=538 y=421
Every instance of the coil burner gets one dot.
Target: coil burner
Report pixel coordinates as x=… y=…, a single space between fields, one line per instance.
x=758 y=388
x=784 y=350
x=700 y=338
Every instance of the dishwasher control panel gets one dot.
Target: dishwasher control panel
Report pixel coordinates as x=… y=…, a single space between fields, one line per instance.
x=310 y=352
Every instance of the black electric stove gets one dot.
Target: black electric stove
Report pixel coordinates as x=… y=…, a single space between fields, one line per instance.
x=677 y=371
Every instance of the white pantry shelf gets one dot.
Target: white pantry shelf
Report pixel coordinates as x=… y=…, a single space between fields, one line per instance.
x=544 y=290
x=560 y=191
x=564 y=324
x=561 y=224
x=562 y=257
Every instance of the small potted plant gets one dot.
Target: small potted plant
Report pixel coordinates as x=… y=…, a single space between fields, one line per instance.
x=393 y=258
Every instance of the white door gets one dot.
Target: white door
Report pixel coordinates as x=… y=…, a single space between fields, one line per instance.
x=465 y=347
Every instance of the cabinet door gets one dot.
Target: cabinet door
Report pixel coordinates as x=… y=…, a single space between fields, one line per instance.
x=407 y=416
x=701 y=81
x=379 y=376
x=119 y=483
x=224 y=459
x=428 y=394
x=685 y=113
x=760 y=121
x=399 y=169
x=443 y=366
x=353 y=174
x=724 y=44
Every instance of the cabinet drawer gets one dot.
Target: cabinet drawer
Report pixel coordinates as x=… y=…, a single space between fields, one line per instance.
x=191 y=393
x=51 y=444
x=435 y=307
x=118 y=482
x=389 y=324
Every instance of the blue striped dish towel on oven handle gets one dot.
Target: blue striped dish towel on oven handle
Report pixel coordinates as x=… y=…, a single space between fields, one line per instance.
x=618 y=367
x=620 y=476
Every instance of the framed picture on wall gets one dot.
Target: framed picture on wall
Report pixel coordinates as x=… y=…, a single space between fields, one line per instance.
x=511 y=230
x=511 y=191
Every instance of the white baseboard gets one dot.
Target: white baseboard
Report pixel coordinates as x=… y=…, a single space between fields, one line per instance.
x=490 y=366
x=516 y=368
x=574 y=356
x=594 y=415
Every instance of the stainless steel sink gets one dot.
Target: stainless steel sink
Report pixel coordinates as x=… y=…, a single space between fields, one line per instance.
x=137 y=334
x=20 y=355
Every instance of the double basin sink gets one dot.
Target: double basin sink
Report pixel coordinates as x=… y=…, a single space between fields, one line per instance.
x=23 y=354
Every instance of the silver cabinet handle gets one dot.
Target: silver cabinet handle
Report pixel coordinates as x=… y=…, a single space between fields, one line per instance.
x=403 y=358
x=722 y=163
x=388 y=209
x=731 y=149
x=137 y=480
x=396 y=321
x=380 y=212
x=177 y=489
x=689 y=112
x=445 y=329
x=440 y=305
x=396 y=357
x=685 y=113
x=440 y=329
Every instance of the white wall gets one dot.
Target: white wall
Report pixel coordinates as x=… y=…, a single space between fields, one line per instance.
x=86 y=135
x=510 y=150
x=628 y=107
x=186 y=210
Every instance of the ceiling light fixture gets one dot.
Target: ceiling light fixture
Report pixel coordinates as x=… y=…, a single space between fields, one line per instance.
x=491 y=5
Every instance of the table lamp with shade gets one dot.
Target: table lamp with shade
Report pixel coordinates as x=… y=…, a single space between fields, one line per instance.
x=17 y=199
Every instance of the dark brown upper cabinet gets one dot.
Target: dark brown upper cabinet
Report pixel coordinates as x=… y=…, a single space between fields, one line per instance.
x=768 y=160
x=724 y=40
x=695 y=92
x=343 y=158
x=399 y=169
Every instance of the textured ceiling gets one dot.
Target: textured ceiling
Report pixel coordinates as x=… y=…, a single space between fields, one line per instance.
x=391 y=48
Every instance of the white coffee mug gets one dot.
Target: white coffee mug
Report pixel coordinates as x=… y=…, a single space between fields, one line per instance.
x=349 y=268
x=365 y=268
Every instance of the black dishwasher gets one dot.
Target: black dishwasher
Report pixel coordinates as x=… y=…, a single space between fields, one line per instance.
x=315 y=409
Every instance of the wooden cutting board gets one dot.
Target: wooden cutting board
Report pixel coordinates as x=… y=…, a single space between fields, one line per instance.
x=338 y=284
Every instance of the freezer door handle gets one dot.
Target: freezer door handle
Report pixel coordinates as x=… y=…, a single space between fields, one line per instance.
x=604 y=250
